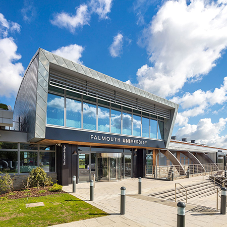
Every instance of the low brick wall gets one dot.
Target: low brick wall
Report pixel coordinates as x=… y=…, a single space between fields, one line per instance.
x=19 y=180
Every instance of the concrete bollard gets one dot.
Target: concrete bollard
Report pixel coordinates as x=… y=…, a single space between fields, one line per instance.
x=181 y=214
x=74 y=183
x=139 y=185
x=122 y=208
x=91 y=190
x=223 y=200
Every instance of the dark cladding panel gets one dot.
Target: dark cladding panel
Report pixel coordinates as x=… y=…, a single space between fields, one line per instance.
x=94 y=137
x=64 y=164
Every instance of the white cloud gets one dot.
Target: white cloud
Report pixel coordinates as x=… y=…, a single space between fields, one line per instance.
x=28 y=11
x=140 y=8
x=205 y=132
x=10 y=71
x=116 y=46
x=198 y=102
x=101 y=7
x=72 y=52
x=6 y=26
x=81 y=18
x=83 y=15
x=183 y=41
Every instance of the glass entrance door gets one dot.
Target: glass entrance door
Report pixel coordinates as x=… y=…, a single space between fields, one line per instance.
x=84 y=168
x=109 y=166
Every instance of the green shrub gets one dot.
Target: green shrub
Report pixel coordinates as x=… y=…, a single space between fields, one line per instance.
x=3 y=198
x=38 y=177
x=42 y=191
x=56 y=188
x=6 y=183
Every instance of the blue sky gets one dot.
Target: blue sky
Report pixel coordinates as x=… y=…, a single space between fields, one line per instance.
x=175 y=49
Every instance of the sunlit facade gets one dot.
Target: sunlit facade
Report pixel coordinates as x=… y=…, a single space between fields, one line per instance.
x=94 y=124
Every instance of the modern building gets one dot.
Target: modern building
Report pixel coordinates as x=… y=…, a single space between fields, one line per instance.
x=72 y=120
x=81 y=122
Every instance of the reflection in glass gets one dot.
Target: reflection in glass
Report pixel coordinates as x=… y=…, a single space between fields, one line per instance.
x=73 y=113
x=153 y=126
x=28 y=146
x=136 y=125
x=55 y=110
x=89 y=116
x=8 y=161
x=6 y=145
x=28 y=161
x=160 y=130
x=115 y=121
x=145 y=127
x=103 y=119
x=47 y=161
x=127 y=123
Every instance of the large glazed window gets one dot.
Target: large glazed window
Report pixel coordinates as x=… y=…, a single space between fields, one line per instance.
x=153 y=129
x=28 y=161
x=73 y=113
x=115 y=121
x=127 y=123
x=145 y=127
x=89 y=116
x=55 y=110
x=8 y=161
x=47 y=161
x=136 y=125
x=103 y=119
x=160 y=130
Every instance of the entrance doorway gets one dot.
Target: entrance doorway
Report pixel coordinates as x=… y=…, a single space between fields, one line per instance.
x=109 y=166
x=105 y=166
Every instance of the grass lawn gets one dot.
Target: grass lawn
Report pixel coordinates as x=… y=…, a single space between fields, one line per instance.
x=59 y=208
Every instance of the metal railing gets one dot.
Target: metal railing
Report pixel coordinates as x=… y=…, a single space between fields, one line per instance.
x=181 y=192
x=164 y=172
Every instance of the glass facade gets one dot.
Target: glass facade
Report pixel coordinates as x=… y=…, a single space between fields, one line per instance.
x=73 y=113
x=89 y=116
x=103 y=119
x=145 y=128
x=136 y=125
x=28 y=161
x=89 y=113
x=55 y=110
x=8 y=161
x=127 y=123
x=31 y=156
x=153 y=129
x=115 y=121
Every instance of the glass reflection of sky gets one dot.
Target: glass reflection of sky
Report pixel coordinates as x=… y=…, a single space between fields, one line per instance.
x=153 y=125
x=127 y=123
x=115 y=121
x=55 y=116
x=73 y=113
x=103 y=119
x=136 y=125
x=145 y=127
x=89 y=116
x=55 y=110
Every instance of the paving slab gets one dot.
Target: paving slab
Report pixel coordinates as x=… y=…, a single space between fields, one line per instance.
x=143 y=210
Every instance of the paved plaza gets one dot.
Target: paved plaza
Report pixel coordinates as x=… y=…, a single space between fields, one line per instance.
x=143 y=210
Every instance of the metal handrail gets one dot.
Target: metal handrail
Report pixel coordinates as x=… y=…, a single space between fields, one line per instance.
x=176 y=192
